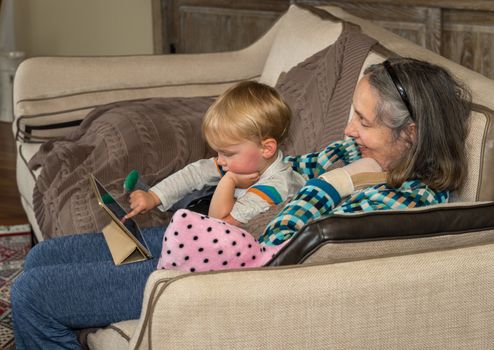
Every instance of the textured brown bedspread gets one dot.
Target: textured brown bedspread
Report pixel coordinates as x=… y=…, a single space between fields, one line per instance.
x=154 y=136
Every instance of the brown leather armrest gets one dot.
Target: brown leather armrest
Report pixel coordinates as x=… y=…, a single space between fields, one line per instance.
x=386 y=225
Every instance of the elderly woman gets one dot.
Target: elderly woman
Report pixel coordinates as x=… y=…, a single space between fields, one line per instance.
x=406 y=139
x=411 y=117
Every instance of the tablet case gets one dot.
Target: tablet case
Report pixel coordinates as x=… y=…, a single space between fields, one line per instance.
x=123 y=246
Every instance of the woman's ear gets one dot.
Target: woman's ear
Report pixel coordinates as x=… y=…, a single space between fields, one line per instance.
x=410 y=133
x=269 y=147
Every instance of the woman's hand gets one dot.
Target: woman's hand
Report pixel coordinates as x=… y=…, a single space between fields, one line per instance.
x=140 y=202
x=365 y=172
x=361 y=173
x=363 y=165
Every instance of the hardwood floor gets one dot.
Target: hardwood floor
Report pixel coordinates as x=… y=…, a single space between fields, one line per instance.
x=11 y=211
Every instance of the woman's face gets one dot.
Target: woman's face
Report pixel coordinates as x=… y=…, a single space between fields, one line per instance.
x=375 y=140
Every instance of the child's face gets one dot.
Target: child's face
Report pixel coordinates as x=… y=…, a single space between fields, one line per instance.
x=245 y=157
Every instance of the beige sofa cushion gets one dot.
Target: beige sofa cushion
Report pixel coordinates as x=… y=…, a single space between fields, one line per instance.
x=479 y=184
x=292 y=45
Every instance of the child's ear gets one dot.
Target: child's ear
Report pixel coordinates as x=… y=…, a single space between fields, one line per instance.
x=269 y=147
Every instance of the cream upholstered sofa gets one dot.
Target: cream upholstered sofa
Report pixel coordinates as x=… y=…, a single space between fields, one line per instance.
x=415 y=279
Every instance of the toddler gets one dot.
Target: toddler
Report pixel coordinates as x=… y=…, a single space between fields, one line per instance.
x=244 y=126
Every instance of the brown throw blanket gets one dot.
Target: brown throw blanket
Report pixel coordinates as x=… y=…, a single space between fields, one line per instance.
x=154 y=136
x=159 y=136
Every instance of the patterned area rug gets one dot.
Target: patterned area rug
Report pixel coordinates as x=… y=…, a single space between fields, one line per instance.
x=15 y=242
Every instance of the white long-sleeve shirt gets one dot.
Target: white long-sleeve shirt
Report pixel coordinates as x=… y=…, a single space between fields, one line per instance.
x=275 y=185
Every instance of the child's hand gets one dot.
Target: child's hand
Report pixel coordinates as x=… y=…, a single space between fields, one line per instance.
x=140 y=202
x=243 y=180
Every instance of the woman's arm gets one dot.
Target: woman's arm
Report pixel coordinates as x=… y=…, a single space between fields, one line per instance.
x=317 y=198
x=312 y=165
x=411 y=194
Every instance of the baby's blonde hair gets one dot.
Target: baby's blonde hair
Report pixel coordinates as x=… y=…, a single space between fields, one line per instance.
x=247 y=111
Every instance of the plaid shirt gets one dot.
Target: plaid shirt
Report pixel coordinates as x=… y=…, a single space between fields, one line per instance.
x=319 y=198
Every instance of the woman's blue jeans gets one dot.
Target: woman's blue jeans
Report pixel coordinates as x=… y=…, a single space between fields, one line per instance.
x=70 y=283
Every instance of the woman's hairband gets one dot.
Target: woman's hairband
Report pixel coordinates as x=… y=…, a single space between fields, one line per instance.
x=399 y=87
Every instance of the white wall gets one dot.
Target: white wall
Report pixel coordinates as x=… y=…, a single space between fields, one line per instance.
x=83 y=27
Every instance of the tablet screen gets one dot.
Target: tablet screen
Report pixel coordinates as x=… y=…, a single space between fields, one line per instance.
x=109 y=202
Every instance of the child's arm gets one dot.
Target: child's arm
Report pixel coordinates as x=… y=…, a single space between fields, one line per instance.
x=192 y=177
x=171 y=189
x=223 y=198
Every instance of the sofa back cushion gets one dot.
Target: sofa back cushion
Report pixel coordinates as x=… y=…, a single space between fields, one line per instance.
x=479 y=184
x=319 y=92
x=301 y=34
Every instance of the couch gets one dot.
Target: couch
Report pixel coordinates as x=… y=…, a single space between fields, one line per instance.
x=413 y=279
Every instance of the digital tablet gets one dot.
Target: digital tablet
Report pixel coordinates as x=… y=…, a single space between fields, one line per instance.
x=116 y=213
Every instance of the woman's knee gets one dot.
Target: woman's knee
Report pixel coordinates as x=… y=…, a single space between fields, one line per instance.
x=24 y=293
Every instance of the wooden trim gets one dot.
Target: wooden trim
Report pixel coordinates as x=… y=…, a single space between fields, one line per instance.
x=482 y=5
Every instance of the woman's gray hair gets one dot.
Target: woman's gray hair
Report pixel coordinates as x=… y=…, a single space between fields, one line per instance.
x=440 y=106
x=390 y=109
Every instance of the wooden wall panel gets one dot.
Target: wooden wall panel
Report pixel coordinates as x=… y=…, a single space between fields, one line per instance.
x=461 y=30
x=192 y=26
x=421 y=25
x=468 y=38
x=205 y=29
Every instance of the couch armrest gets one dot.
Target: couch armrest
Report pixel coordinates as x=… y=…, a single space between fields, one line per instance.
x=152 y=293
x=117 y=335
x=422 y=299
x=52 y=94
x=347 y=237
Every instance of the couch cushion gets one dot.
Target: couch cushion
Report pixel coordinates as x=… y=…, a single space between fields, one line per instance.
x=292 y=43
x=479 y=184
